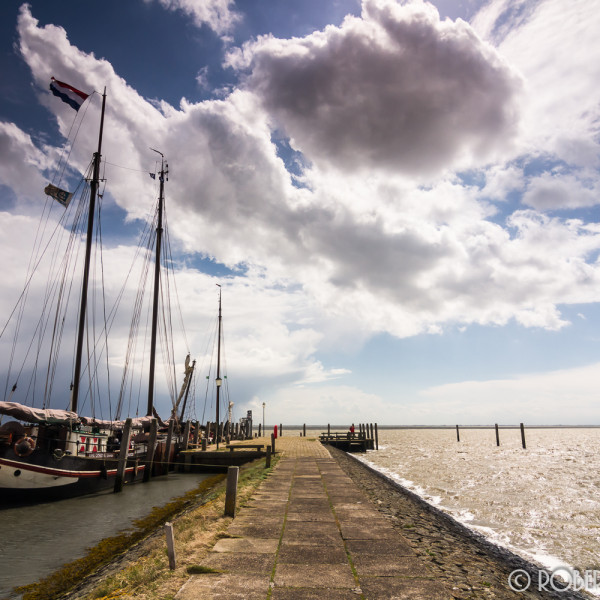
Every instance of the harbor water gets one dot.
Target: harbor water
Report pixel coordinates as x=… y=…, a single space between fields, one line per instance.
x=542 y=503
x=38 y=539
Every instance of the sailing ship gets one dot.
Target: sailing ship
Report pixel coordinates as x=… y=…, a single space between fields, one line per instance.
x=48 y=454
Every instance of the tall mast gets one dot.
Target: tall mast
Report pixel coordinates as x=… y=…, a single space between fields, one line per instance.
x=164 y=172
x=218 y=380
x=86 y=268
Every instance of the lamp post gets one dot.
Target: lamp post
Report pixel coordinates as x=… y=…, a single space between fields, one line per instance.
x=264 y=419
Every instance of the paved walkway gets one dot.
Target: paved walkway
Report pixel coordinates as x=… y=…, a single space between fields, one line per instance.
x=308 y=533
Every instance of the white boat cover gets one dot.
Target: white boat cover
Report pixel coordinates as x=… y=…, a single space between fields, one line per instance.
x=47 y=415
x=37 y=415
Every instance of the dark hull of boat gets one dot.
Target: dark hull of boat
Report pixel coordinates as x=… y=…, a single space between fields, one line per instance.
x=42 y=477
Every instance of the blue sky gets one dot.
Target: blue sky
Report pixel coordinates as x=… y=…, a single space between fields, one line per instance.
x=400 y=199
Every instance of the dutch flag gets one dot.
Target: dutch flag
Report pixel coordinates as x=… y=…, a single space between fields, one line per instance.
x=67 y=93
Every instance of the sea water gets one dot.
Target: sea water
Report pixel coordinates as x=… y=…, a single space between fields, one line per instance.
x=542 y=502
x=37 y=539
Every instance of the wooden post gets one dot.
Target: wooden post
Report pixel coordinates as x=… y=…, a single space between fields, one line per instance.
x=231 y=491
x=186 y=435
x=280 y=430
x=122 y=464
x=268 y=458
x=497 y=436
x=523 y=437
x=376 y=438
x=372 y=436
x=196 y=433
x=148 y=463
x=204 y=442
x=170 y=545
x=273 y=442
x=328 y=429
x=259 y=429
x=457 y=434
x=167 y=456
x=304 y=429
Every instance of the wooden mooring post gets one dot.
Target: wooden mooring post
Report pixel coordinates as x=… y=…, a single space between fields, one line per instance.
x=122 y=464
x=304 y=430
x=170 y=545
x=457 y=434
x=523 y=437
x=268 y=458
x=149 y=462
x=167 y=455
x=497 y=435
x=231 y=490
x=376 y=438
x=186 y=435
x=273 y=443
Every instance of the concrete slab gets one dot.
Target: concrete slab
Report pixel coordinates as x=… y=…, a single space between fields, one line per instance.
x=311 y=554
x=257 y=564
x=256 y=530
x=392 y=588
x=314 y=576
x=366 y=531
x=257 y=545
x=315 y=594
x=224 y=587
x=388 y=565
x=311 y=516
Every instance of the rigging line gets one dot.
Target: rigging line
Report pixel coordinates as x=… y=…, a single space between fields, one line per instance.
x=148 y=264
x=143 y=246
x=178 y=301
x=71 y=146
x=35 y=260
x=168 y=328
x=51 y=292
x=61 y=305
x=104 y=313
x=127 y=168
x=135 y=323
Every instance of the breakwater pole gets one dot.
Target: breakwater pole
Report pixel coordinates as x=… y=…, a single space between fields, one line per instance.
x=457 y=434
x=523 y=437
x=497 y=435
x=304 y=430
x=376 y=438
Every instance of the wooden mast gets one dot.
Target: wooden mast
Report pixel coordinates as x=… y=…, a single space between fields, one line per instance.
x=86 y=269
x=164 y=172
x=218 y=380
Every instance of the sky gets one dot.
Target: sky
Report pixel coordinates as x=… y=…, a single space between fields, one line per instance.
x=400 y=200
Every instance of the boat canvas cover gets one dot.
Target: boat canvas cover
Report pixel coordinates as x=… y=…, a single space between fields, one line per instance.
x=36 y=415
x=136 y=423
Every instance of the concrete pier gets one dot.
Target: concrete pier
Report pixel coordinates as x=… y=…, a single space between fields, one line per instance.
x=308 y=532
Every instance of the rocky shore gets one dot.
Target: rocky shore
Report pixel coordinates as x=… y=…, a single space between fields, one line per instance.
x=469 y=565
